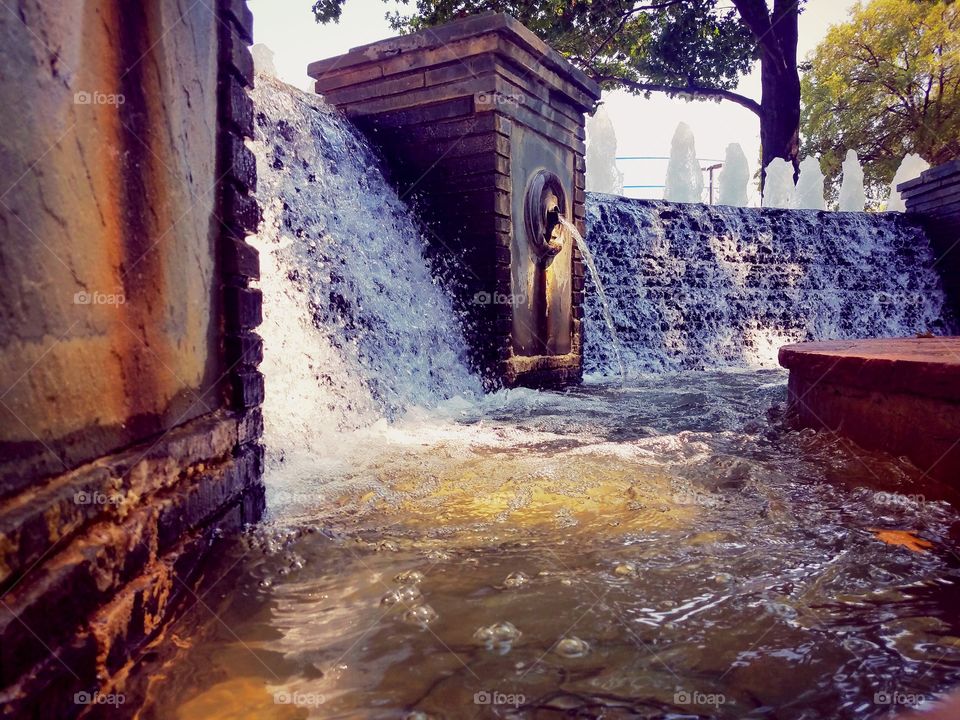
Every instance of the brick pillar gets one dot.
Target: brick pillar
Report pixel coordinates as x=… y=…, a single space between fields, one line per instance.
x=467 y=115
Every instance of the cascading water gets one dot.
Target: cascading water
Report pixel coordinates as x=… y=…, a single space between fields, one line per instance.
x=693 y=286
x=356 y=328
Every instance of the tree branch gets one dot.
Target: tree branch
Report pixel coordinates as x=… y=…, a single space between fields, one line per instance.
x=697 y=90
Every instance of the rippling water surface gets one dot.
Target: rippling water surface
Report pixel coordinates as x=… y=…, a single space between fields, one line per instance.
x=665 y=549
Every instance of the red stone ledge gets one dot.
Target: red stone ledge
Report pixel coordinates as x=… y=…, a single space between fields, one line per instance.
x=917 y=366
x=900 y=396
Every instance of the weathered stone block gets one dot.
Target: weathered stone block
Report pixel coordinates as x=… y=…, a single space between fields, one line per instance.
x=235 y=53
x=240 y=162
x=241 y=260
x=243 y=308
x=236 y=107
x=238 y=14
x=241 y=213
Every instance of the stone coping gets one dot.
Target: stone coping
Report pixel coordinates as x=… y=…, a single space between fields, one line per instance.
x=473 y=26
x=917 y=366
x=934 y=174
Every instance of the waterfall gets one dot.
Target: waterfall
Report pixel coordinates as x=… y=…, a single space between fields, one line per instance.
x=356 y=325
x=694 y=286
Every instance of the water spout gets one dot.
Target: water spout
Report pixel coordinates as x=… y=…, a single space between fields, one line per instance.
x=605 y=306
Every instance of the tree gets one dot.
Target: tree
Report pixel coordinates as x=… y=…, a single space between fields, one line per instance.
x=885 y=83
x=695 y=49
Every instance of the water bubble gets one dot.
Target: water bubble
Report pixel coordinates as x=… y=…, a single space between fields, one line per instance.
x=626 y=569
x=409 y=577
x=404 y=595
x=499 y=636
x=266 y=583
x=420 y=615
x=516 y=579
x=387 y=546
x=438 y=555
x=571 y=647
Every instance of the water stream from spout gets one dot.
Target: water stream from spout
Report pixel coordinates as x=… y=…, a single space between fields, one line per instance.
x=605 y=306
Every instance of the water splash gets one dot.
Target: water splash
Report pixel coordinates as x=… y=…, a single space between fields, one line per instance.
x=601 y=295
x=356 y=326
x=684 y=181
x=911 y=168
x=602 y=172
x=778 y=187
x=734 y=177
x=853 y=198
x=809 y=192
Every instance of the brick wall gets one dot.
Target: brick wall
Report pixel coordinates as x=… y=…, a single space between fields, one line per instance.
x=131 y=435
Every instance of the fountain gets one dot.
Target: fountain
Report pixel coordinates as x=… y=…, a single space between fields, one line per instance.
x=778 y=187
x=601 y=295
x=437 y=552
x=358 y=325
x=809 y=191
x=483 y=124
x=734 y=178
x=910 y=168
x=684 y=181
x=602 y=172
x=853 y=198
x=655 y=545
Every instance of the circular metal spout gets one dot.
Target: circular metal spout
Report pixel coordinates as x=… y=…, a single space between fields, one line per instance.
x=544 y=204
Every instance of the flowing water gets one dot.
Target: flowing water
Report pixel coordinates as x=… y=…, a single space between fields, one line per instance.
x=601 y=295
x=664 y=547
x=693 y=286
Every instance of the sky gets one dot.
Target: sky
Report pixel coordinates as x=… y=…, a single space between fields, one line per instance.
x=644 y=127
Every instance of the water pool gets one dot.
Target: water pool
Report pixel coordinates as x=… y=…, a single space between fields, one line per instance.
x=668 y=548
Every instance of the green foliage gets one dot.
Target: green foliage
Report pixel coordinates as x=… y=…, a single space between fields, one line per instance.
x=885 y=83
x=681 y=47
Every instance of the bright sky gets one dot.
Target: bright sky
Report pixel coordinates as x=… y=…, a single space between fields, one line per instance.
x=644 y=127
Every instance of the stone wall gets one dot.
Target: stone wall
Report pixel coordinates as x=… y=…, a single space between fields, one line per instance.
x=935 y=198
x=129 y=420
